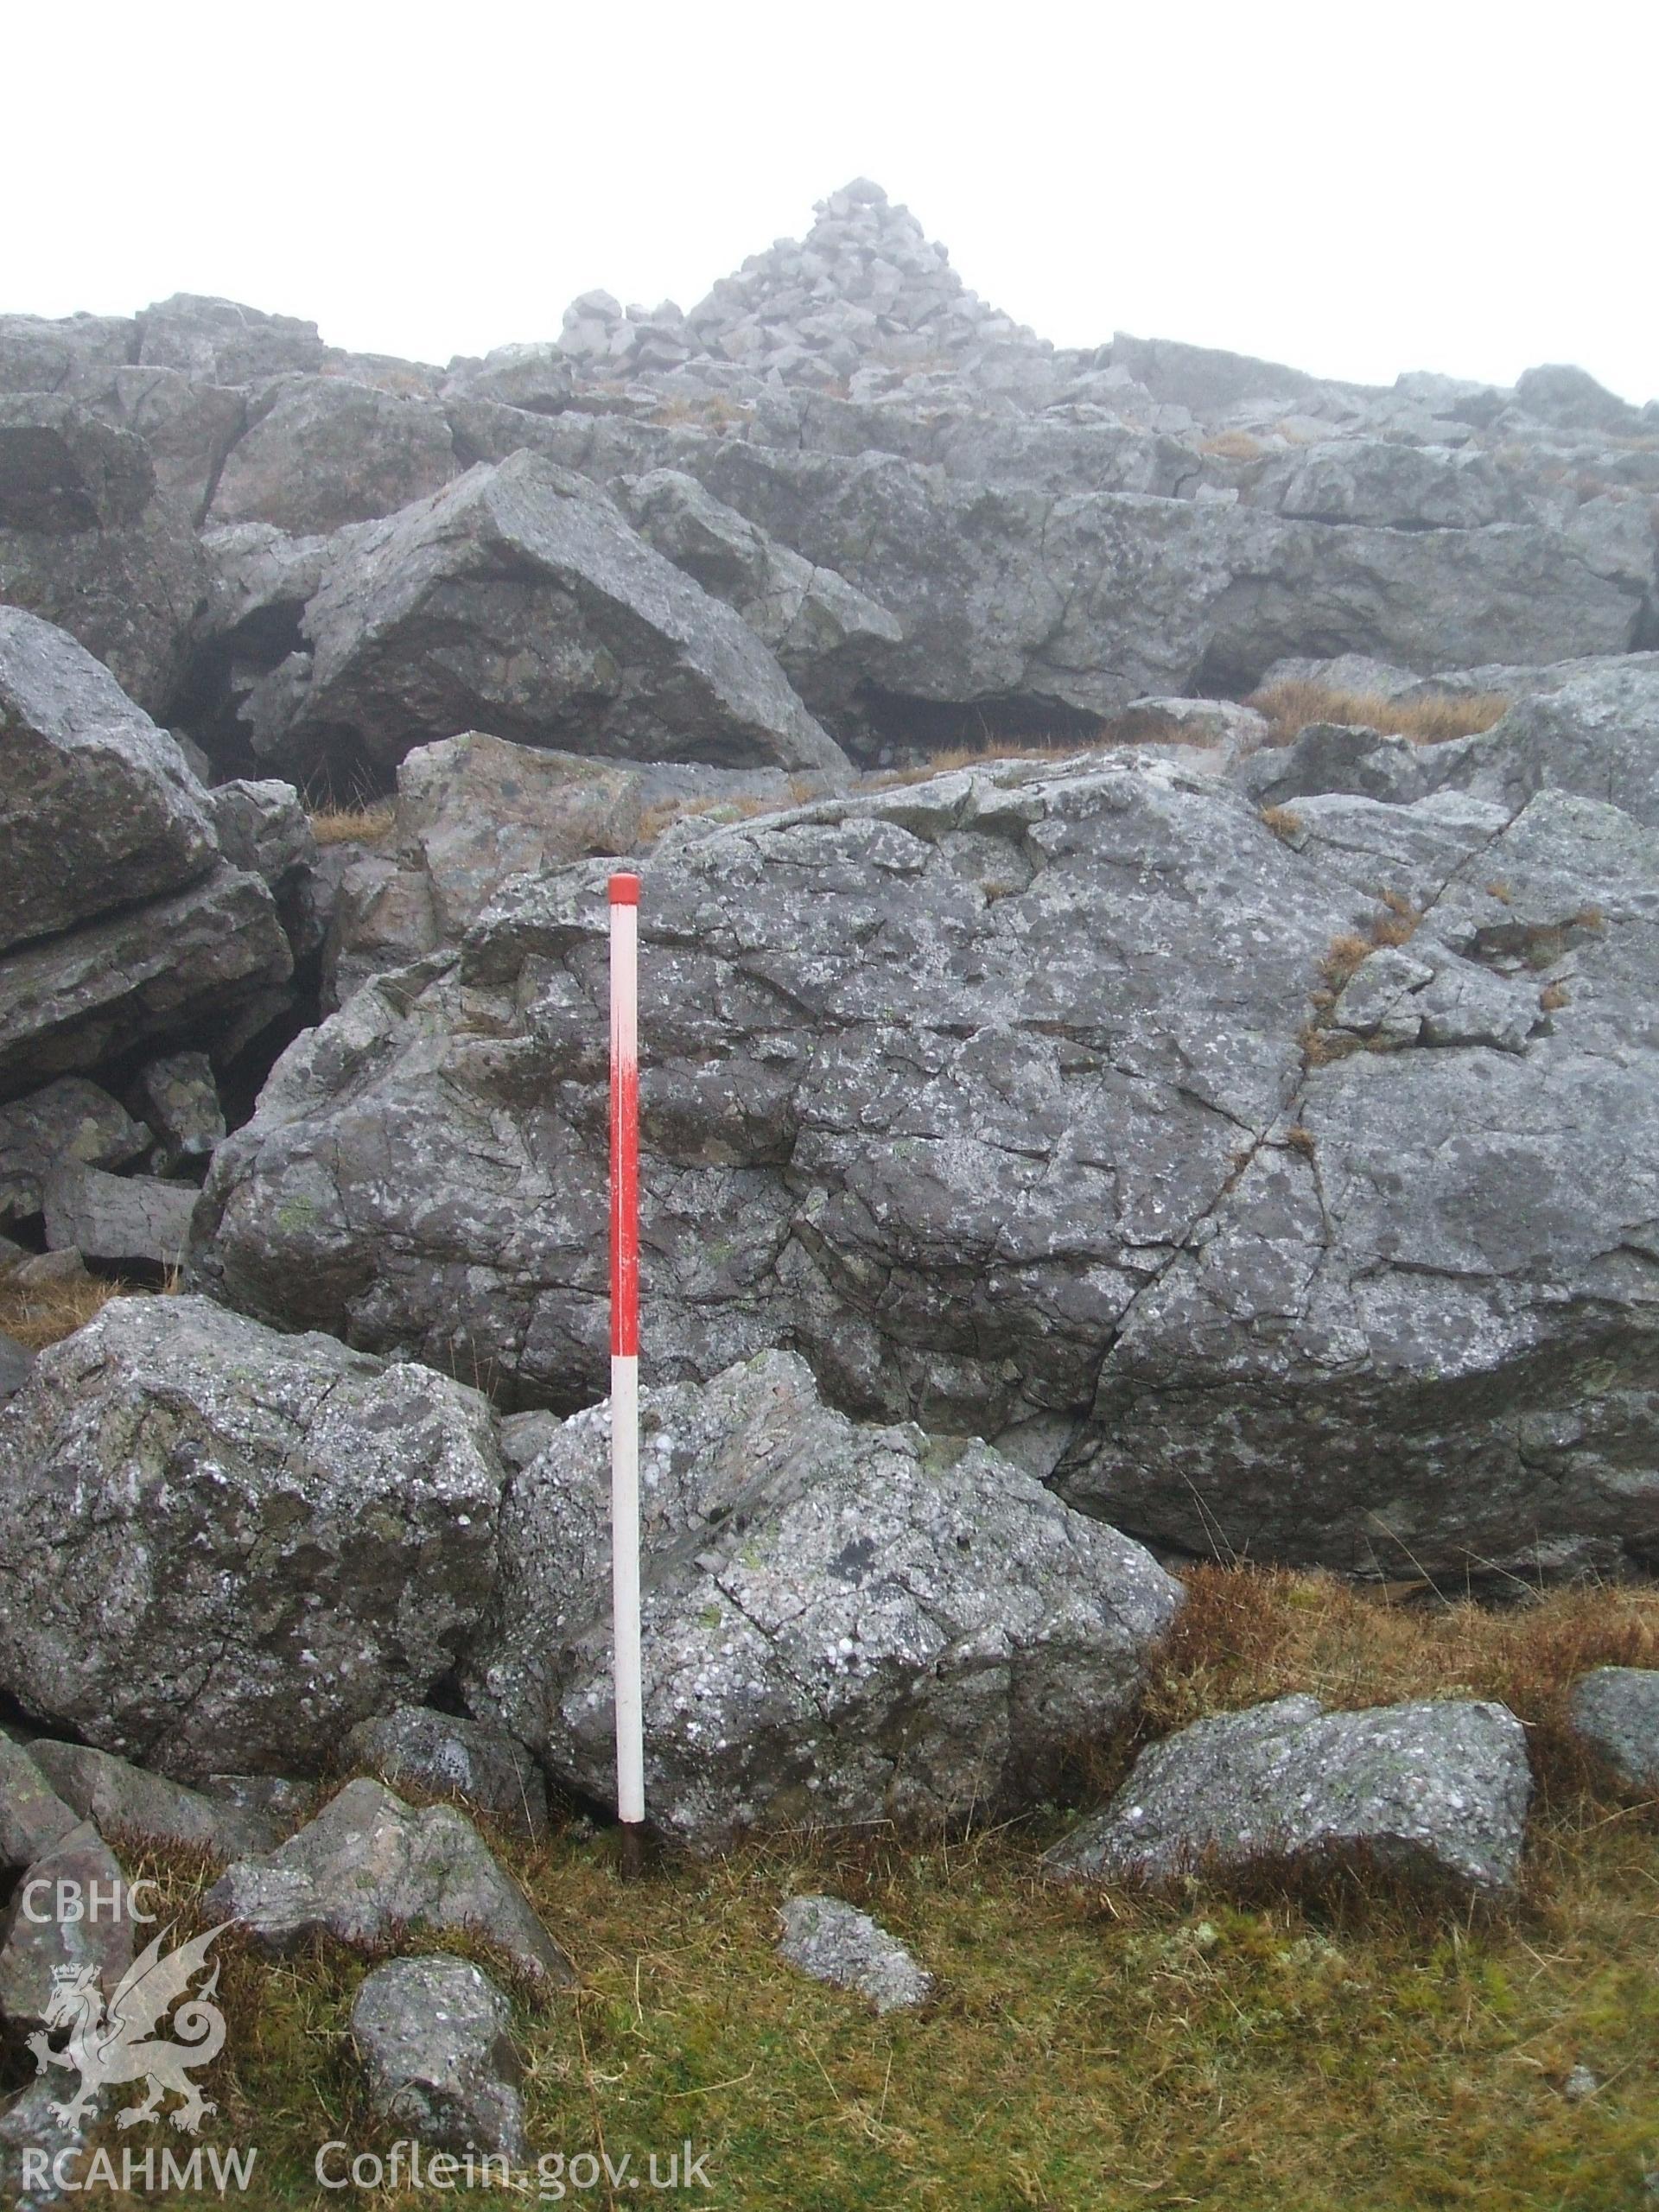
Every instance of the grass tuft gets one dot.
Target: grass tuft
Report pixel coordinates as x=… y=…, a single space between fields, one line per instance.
x=1291 y=707
x=41 y=1315
x=1232 y=445
x=37 y=1315
x=368 y=824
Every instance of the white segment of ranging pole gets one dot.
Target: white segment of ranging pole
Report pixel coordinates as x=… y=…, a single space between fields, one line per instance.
x=625 y=1352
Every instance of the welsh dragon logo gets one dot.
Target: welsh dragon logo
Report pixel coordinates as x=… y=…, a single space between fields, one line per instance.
x=113 y=2044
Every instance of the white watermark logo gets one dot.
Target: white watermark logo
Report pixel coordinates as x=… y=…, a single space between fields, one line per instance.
x=409 y=2165
x=112 y=2044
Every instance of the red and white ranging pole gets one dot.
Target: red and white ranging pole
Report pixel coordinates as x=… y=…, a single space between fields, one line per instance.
x=625 y=1361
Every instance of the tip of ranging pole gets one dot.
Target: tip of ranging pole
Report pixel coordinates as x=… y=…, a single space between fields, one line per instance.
x=625 y=890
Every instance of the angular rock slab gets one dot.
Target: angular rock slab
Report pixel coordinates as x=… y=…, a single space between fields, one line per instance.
x=519 y=601
x=435 y=2038
x=325 y=451
x=32 y=1817
x=219 y=1548
x=30 y=2129
x=61 y=469
x=1616 y=1711
x=368 y=1865
x=840 y=1623
x=97 y=806
x=992 y=1096
x=68 y=1121
x=834 y=1941
x=128 y=591
x=441 y=1754
x=37 y=1942
x=114 y=1217
x=112 y=1794
x=180 y=1099
x=475 y=811
x=214 y=952
x=1437 y=1789
x=1597 y=735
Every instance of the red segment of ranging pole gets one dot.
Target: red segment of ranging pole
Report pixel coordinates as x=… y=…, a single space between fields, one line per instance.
x=625 y=1355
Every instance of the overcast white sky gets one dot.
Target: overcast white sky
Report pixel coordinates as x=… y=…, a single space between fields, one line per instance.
x=1465 y=186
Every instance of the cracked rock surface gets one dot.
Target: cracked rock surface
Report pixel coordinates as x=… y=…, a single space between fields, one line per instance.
x=1432 y=1789
x=840 y=1622
x=219 y=1548
x=1018 y=1102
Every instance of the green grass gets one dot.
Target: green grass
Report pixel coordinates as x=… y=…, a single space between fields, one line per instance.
x=1100 y=2050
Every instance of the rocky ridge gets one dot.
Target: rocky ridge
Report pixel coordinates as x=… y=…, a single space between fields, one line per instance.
x=1228 y=1130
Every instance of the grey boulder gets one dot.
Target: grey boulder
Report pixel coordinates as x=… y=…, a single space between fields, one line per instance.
x=820 y=626
x=833 y=1942
x=37 y=1942
x=441 y=1755
x=115 y=1217
x=128 y=587
x=435 y=2039
x=1011 y=1100
x=519 y=601
x=187 y=427
x=1399 y=486
x=1596 y=735
x=323 y=451
x=1615 y=1710
x=181 y=1103
x=61 y=469
x=38 y=353
x=69 y=1122
x=214 y=952
x=97 y=807
x=369 y=1864
x=220 y=341
x=1433 y=1791
x=840 y=1623
x=475 y=810
x=536 y=378
x=30 y=2129
x=220 y=1547
x=32 y=1817
x=1571 y=398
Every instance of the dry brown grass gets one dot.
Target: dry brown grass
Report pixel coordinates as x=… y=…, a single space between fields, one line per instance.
x=1232 y=445
x=1247 y=1633
x=1343 y=956
x=369 y=824
x=37 y=1315
x=950 y=758
x=1291 y=707
x=714 y=412
x=657 y=818
x=1284 y=822
x=40 y=1314
x=1396 y=922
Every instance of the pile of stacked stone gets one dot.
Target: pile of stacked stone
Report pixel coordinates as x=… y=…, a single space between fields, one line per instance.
x=864 y=291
